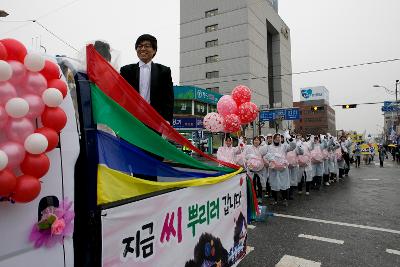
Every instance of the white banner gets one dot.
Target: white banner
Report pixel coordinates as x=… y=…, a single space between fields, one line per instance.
x=195 y=226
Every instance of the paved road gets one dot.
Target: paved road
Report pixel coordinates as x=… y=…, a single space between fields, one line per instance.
x=358 y=224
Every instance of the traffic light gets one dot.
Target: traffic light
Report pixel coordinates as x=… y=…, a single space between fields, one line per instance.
x=349 y=106
x=316 y=108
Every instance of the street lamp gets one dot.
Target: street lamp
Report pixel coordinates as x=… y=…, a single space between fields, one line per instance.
x=389 y=91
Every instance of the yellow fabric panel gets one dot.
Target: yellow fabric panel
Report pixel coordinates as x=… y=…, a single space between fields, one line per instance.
x=113 y=185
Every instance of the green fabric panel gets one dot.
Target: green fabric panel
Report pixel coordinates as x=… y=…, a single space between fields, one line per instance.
x=108 y=112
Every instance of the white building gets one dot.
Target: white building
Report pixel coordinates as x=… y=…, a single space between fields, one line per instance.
x=229 y=42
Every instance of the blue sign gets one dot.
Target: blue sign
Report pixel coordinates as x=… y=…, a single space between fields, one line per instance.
x=390 y=106
x=188 y=123
x=288 y=114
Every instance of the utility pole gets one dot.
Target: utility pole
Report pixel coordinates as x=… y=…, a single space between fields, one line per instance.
x=397 y=108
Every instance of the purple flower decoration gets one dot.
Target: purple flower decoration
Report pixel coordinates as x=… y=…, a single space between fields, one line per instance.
x=55 y=225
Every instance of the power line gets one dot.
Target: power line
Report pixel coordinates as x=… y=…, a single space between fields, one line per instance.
x=32 y=20
x=15 y=21
x=340 y=67
x=56 y=36
x=300 y=72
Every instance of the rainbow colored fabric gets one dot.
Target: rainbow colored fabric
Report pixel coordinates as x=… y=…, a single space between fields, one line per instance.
x=126 y=154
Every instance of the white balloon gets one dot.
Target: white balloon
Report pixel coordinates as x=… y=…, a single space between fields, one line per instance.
x=3 y=160
x=34 y=62
x=17 y=107
x=5 y=71
x=52 y=97
x=36 y=143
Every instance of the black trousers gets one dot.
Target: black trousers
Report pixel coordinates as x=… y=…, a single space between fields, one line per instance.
x=326 y=178
x=284 y=193
x=346 y=158
x=317 y=182
x=381 y=163
x=257 y=185
x=268 y=187
x=358 y=161
x=303 y=180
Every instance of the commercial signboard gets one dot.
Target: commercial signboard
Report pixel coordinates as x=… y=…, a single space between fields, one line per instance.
x=196 y=93
x=194 y=226
x=314 y=93
x=281 y=113
x=188 y=123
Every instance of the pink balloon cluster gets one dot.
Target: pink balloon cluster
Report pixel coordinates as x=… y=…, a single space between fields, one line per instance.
x=233 y=110
x=30 y=89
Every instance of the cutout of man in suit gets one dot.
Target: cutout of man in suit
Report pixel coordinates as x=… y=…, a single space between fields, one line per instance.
x=152 y=81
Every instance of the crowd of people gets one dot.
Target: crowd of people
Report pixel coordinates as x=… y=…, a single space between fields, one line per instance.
x=283 y=164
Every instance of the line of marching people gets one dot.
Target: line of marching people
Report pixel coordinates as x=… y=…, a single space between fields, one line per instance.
x=284 y=163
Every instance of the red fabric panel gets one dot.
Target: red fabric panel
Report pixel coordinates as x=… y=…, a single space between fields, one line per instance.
x=117 y=88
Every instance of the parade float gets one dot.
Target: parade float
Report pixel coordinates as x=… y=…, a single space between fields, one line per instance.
x=69 y=191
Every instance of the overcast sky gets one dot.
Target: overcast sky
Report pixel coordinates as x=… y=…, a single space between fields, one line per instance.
x=324 y=33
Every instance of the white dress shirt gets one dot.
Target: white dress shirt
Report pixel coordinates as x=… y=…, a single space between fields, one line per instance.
x=144 y=83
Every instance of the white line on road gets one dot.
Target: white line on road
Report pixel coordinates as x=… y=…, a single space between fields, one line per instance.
x=313 y=237
x=372 y=179
x=338 y=223
x=392 y=251
x=250 y=226
x=291 y=261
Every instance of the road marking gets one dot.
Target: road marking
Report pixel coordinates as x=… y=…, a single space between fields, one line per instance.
x=313 y=237
x=392 y=251
x=250 y=226
x=372 y=179
x=291 y=261
x=338 y=223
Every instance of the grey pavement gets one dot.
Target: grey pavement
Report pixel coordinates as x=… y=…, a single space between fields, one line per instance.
x=369 y=197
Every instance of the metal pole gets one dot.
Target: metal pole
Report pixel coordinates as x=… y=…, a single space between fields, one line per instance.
x=397 y=108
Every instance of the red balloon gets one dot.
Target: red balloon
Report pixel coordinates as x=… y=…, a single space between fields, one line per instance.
x=54 y=118
x=8 y=181
x=241 y=94
x=3 y=52
x=27 y=189
x=15 y=49
x=247 y=112
x=232 y=123
x=58 y=84
x=51 y=135
x=35 y=165
x=51 y=70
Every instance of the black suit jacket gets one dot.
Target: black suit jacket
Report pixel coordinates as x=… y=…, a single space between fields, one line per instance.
x=161 y=88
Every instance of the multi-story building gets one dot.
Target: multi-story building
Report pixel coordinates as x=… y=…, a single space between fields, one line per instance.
x=226 y=43
x=316 y=116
